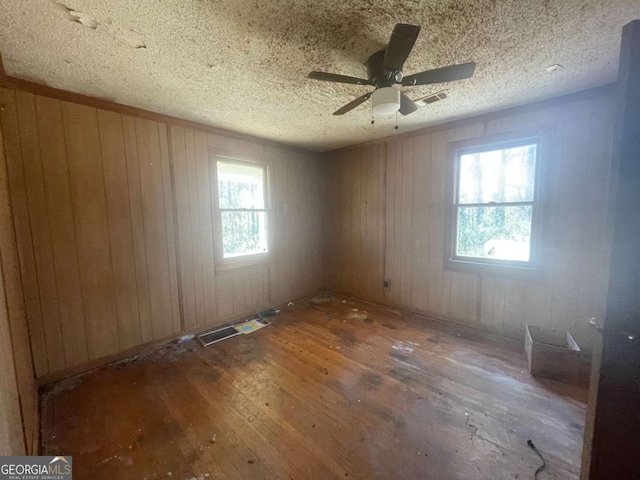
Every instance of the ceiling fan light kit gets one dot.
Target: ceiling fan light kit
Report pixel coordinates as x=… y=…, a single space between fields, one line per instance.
x=386 y=100
x=384 y=69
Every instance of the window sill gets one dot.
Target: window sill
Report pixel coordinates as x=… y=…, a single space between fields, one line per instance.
x=509 y=270
x=249 y=261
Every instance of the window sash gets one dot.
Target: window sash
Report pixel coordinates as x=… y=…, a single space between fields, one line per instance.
x=248 y=258
x=454 y=261
x=456 y=232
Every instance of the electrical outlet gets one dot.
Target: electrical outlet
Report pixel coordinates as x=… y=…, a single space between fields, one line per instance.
x=387 y=283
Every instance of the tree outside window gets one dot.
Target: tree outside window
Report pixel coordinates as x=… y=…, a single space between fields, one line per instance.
x=242 y=205
x=495 y=203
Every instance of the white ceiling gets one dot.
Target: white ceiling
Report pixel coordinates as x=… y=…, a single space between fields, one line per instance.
x=242 y=64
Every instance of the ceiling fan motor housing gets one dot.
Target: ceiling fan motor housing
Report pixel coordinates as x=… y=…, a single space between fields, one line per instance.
x=386 y=100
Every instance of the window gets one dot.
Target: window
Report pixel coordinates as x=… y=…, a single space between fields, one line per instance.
x=494 y=214
x=242 y=206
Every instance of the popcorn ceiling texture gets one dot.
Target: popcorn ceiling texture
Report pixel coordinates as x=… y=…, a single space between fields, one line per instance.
x=242 y=64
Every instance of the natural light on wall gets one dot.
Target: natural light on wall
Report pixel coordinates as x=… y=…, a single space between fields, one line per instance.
x=494 y=203
x=242 y=205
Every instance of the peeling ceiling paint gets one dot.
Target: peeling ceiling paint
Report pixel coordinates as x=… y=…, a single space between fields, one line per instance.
x=242 y=64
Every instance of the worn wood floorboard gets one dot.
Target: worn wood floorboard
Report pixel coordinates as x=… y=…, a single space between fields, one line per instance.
x=327 y=391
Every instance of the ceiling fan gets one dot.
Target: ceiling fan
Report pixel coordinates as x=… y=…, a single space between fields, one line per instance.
x=384 y=70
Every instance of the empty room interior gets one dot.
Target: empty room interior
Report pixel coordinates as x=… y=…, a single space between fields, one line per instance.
x=311 y=240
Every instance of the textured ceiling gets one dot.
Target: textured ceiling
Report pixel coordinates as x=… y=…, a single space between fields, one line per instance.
x=242 y=64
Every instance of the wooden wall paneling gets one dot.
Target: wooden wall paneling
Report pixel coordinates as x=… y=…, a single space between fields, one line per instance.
x=375 y=197
x=406 y=236
x=63 y=236
x=368 y=260
x=311 y=241
x=277 y=285
x=570 y=177
x=360 y=272
x=239 y=295
x=338 y=221
x=96 y=220
x=12 y=441
x=512 y=322
x=24 y=239
x=206 y=218
x=17 y=321
x=501 y=304
x=381 y=213
x=196 y=234
x=89 y=205
x=353 y=275
x=391 y=223
x=40 y=230
x=155 y=226
x=312 y=181
x=138 y=229
x=345 y=233
x=333 y=233
x=436 y=224
x=420 y=214
x=593 y=271
x=114 y=165
x=291 y=199
x=170 y=225
x=184 y=235
x=536 y=303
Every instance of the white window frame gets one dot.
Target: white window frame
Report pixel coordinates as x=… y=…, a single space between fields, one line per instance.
x=252 y=259
x=455 y=262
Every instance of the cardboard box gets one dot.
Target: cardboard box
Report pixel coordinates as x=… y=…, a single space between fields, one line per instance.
x=552 y=353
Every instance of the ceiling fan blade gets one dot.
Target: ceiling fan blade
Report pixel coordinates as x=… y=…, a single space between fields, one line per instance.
x=334 y=77
x=406 y=105
x=402 y=39
x=353 y=104
x=438 y=75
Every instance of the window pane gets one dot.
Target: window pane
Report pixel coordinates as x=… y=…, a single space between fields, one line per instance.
x=243 y=233
x=240 y=185
x=501 y=233
x=505 y=175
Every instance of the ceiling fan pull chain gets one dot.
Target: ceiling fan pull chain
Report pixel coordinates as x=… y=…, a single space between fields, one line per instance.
x=373 y=119
x=396 y=127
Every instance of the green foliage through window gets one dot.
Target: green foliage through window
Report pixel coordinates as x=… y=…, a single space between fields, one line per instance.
x=495 y=201
x=241 y=199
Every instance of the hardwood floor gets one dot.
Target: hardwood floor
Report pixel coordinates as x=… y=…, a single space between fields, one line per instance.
x=325 y=392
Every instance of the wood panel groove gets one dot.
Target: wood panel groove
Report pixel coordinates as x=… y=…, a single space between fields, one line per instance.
x=127 y=187
x=111 y=256
x=45 y=274
x=53 y=143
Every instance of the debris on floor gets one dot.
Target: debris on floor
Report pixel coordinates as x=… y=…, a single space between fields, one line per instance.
x=357 y=316
x=290 y=304
x=321 y=298
x=251 y=326
x=186 y=338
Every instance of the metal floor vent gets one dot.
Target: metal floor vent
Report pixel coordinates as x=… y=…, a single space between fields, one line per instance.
x=243 y=328
x=218 y=335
